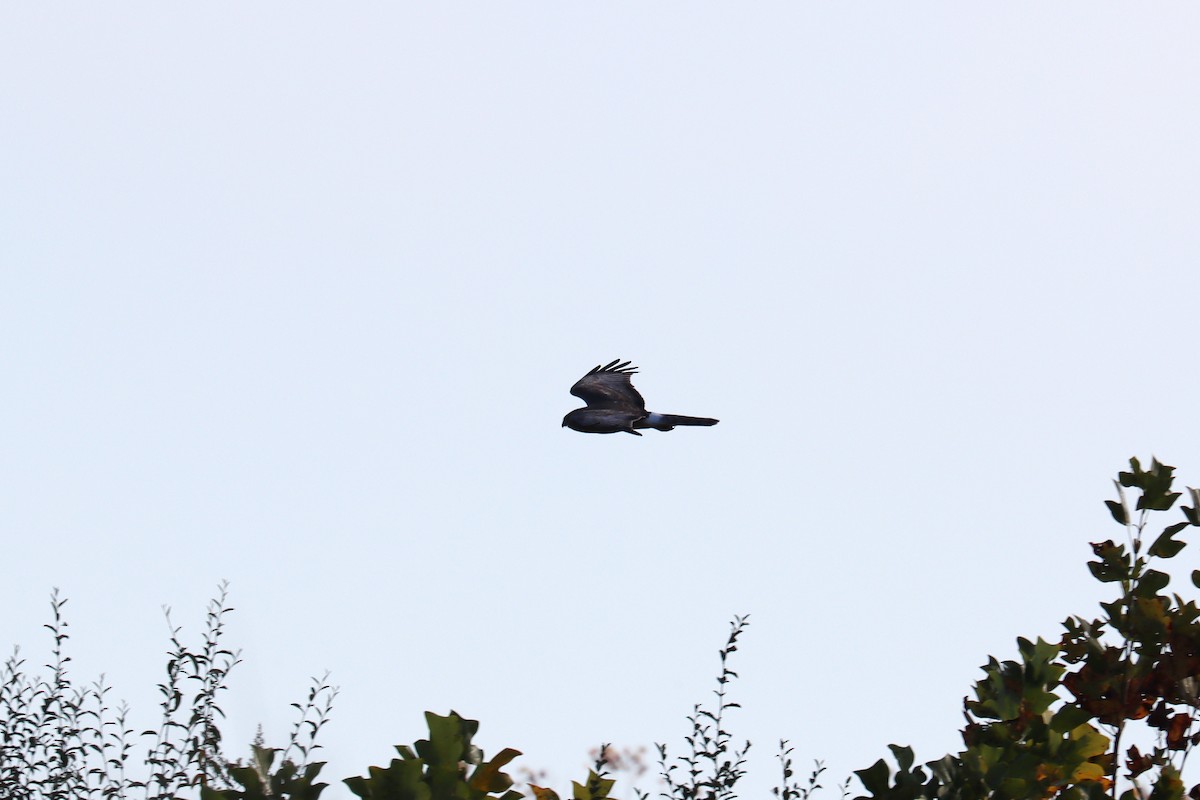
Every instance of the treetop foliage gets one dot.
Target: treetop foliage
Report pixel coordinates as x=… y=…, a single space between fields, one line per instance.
x=1108 y=710
x=1057 y=722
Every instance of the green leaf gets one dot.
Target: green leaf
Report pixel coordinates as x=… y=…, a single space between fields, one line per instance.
x=1152 y=583
x=1069 y=718
x=596 y=788
x=1113 y=564
x=1166 y=547
x=1190 y=513
x=1155 y=484
x=1158 y=501
x=903 y=755
x=448 y=740
x=488 y=777
x=1130 y=479
x=1090 y=742
x=1168 y=785
x=1118 y=511
x=1106 y=573
x=875 y=778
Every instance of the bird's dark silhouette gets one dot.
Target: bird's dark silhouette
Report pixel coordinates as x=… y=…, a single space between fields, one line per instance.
x=614 y=406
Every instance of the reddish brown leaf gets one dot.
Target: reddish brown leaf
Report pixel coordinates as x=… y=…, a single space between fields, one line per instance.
x=1137 y=763
x=1177 y=738
x=1160 y=717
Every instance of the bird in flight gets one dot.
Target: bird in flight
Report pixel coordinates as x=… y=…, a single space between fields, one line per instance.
x=613 y=405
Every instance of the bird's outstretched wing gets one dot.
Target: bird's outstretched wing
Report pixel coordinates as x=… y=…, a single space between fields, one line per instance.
x=610 y=387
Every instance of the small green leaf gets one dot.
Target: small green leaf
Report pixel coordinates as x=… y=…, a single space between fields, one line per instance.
x=875 y=778
x=488 y=777
x=596 y=788
x=1118 y=511
x=1155 y=484
x=904 y=756
x=1131 y=479
x=1152 y=583
x=1166 y=547
x=1113 y=564
x=358 y=786
x=1191 y=513
x=1068 y=718
x=1105 y=573
x=1158 y=501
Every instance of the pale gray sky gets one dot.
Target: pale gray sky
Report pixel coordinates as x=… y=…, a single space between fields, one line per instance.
x=292 y=294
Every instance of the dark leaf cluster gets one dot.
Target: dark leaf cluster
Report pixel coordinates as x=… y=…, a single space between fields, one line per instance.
x=1052 y=724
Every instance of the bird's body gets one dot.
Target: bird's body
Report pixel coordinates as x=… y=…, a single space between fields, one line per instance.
x=614 y=406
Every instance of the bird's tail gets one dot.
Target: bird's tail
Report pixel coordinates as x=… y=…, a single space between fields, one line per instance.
x=665 y=422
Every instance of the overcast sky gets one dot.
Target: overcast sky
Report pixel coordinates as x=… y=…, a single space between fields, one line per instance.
x=292 y=294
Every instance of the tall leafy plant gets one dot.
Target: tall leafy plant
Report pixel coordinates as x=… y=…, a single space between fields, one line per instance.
x=60 y=740
x=713 y=765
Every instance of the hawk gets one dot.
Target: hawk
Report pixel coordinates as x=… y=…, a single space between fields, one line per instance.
x=613 y=405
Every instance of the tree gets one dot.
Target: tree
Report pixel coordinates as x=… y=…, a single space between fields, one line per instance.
x=1057 y=722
